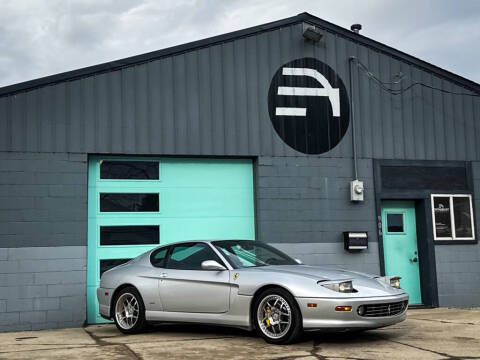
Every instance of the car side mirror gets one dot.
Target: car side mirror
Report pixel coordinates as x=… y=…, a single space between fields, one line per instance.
x=212 y=265
x=299 y=261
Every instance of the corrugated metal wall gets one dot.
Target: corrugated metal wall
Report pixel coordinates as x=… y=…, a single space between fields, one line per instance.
x=213 y=101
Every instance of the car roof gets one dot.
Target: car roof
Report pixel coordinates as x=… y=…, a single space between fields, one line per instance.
x=198 y=241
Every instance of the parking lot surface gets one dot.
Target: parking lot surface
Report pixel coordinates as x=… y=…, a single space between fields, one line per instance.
x=426 y=334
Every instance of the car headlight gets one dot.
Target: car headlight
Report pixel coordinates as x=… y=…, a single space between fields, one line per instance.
x=343 y=287
x=395 y=282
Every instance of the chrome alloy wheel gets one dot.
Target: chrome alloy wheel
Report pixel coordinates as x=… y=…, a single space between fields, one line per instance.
x=127 y=310
x=274 y=316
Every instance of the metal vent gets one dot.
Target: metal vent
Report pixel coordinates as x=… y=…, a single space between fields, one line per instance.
x=380 y=310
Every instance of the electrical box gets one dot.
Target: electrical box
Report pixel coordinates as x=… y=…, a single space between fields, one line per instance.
x=355 y=240
x=356 y=190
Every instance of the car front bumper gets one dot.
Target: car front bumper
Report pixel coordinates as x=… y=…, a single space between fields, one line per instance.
x=324 y=315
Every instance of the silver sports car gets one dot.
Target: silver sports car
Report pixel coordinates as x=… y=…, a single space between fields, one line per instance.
x=246 y=284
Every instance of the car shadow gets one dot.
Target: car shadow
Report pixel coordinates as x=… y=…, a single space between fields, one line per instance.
x=347 y=337
x=324 y=337
x=212 y=330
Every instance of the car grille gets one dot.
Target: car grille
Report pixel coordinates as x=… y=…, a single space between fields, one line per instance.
x=385 y=309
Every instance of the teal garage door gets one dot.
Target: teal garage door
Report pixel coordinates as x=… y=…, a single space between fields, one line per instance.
x=137 y=204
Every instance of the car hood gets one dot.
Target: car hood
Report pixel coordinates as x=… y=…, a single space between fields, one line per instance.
x=367 y=285
x=317 y=272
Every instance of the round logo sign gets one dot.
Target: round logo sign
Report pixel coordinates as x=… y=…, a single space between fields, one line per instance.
x=308 y=106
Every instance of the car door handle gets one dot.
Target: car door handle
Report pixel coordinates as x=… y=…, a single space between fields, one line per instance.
x=415 y=259
x=163 y=275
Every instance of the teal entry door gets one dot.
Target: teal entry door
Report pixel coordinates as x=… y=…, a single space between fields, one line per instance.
x=400 y=246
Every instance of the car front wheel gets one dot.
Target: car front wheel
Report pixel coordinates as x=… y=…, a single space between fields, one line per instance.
x=129 y=313
x=277 y=317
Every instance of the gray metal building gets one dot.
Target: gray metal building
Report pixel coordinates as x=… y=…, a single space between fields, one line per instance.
x=255 y=134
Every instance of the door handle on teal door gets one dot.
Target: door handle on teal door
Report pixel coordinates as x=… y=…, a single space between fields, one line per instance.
x=415 y=259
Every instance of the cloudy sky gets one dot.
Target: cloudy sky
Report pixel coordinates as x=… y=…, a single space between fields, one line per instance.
x=44 y=37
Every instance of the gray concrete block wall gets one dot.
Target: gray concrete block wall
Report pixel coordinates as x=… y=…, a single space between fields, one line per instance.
x=458 y=266
x=43 y=200
x=307 y=200
x=458 y=274
x=42 y=287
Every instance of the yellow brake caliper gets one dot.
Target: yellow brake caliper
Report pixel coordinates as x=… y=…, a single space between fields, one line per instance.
x=268 y=320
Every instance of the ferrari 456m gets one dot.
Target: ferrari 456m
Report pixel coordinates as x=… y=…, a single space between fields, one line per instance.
x=246 y=284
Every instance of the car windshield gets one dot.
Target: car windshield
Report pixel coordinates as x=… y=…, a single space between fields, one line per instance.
x=249 y=253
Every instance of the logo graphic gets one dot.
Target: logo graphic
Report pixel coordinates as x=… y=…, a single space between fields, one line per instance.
x=442 y=208
x=308 y=106
x=235 y=276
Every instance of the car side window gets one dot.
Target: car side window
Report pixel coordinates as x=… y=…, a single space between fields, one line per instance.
x=190 y=256
x=159 y=257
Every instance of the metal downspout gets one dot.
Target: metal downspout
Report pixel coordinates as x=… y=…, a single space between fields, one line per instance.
x=352 y=107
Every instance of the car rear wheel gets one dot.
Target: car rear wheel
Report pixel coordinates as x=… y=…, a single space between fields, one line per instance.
x=129 y=315
x=277 y=316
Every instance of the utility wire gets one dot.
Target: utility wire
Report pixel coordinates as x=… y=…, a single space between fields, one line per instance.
x=384 y=86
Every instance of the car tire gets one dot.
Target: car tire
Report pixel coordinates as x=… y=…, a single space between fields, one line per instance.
x=277 y=317
x=129 y=311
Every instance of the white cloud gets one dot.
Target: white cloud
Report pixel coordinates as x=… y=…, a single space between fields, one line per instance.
x=39 y=38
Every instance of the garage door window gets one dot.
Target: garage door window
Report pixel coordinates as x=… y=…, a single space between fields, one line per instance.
x=108 y=264
x=129 y=235
x=129 y=170
x=453 y=217
x=128 y=202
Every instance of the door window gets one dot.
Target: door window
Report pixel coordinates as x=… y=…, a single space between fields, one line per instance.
x=395 y=223
x=190 y=256
x=159 y=256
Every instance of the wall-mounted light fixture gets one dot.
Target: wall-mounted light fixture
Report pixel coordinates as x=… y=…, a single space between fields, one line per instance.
x=311 y=32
